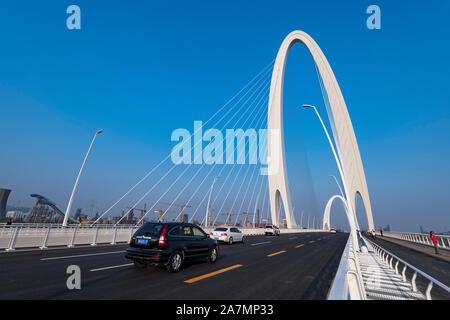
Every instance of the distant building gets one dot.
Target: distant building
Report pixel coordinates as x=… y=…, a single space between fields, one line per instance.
x=77 y=213
x=4 y=194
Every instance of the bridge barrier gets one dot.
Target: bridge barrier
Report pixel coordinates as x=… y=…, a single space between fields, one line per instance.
x=396 y=263
x=348 y=283
x=421 y=238
x=53 y=236
x=44 y=236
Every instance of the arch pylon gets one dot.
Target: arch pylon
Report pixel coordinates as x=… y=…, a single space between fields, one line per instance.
x=326 y=214
x=343 y=134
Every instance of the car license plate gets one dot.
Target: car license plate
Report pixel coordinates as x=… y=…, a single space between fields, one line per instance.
x=216 y=238
x=142 y=242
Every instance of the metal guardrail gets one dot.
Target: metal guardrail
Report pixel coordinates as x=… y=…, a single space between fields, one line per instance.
x=13 y=237
x=25 y=237
x=390 y=258
x=348 y=283
x=56 y=225
x=421 y=238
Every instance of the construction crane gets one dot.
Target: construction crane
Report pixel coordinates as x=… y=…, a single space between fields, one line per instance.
x=228 y=217
x=131 y=211
x=246 y=214
x=182 y=206
x=268 y=220
x=161 y=213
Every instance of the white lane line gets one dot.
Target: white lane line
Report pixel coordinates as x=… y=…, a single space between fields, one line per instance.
x=83 y=255
x=293 y=238
x=112 y=267
x=255 y=244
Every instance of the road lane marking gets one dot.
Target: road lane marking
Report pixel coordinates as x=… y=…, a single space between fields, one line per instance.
x=293 y=238
x=256 y=244
x=275 y=253
x=300 y=245
x=312 y=241
x=83 y=255
x=212 y=273
x=112 y=267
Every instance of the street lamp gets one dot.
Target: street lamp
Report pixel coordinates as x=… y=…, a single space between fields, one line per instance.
x=349 y=204
x=69 y=205
x=208 y=208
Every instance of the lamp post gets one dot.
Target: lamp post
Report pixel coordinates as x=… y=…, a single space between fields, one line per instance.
x=69 y=205
x=209 y=199
x=352 y=217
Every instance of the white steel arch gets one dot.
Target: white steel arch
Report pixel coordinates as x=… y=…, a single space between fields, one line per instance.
x=326 y=215
x=343 y=134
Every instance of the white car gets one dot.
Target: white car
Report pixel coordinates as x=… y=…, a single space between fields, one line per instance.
x=333 y=230
x=227 y=234
x=272 y=230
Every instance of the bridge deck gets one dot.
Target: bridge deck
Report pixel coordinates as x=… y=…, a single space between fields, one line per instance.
x=291 y=266
x=381 y=282
x=435 y=266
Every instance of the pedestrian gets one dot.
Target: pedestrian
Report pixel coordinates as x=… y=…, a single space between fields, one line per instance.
x=435 y=242
x=9 y=222
x=381 y=232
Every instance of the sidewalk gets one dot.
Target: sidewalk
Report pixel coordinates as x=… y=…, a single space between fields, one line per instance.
x=444 y=254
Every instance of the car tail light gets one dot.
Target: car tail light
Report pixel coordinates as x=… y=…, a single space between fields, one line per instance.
x=211 y=233
x=162 y=239
x=223 y=234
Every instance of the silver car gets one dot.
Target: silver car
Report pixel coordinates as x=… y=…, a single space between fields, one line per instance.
x=272 y=230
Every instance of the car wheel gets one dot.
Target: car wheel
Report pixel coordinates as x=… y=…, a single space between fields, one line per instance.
x=175 y=262
x=139 y=265
x=230 y=241
x=212 y=255
x=243 y=239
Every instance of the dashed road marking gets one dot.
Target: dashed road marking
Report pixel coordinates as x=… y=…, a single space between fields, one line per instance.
x=112 y=267
x=257 y=244
x=212 y=274
x=275 y=253
x=83 y=255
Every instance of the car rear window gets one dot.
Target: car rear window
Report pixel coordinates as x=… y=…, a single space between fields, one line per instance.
x=150 y=229
x=220 y=229
x=268 y=226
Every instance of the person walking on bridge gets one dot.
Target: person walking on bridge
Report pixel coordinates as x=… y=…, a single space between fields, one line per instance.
x=435 y=242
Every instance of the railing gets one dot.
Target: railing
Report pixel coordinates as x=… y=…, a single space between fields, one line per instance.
x=348 y=283
x=13 y=237
x=393 y=261
x=35 y=236
x=443 y=240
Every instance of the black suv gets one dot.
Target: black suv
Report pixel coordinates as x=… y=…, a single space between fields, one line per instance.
x=169 y=244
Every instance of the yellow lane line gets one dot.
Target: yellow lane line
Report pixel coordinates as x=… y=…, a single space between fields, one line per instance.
x=300 y=245
x=213 y=273
x=275 y=253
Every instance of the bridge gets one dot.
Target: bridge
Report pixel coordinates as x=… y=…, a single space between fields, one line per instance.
x=303 y=263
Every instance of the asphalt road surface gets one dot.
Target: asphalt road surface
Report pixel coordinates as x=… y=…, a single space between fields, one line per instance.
x=291 y=266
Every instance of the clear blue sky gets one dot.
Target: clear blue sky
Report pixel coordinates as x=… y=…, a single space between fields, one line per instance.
x=140 y=69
